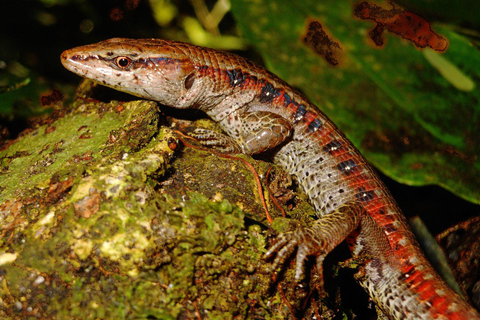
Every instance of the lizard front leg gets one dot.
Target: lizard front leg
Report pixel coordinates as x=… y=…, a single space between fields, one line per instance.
x=249 y=132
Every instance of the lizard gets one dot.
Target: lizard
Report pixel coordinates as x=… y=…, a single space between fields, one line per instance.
x=259 y=113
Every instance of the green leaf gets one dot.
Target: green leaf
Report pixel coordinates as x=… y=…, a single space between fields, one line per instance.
x=21 y=97
x=414 y=113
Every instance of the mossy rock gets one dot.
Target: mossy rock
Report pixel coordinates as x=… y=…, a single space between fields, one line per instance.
x=97 y=223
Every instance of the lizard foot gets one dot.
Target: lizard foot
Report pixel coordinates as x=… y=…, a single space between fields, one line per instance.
x=318 y=239
x=306 y=245
x=215 y=140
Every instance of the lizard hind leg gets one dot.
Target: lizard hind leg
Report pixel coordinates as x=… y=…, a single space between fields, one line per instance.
x=318 y=239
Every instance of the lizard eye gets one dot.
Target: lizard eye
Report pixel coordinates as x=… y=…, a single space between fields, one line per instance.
x=123 y=62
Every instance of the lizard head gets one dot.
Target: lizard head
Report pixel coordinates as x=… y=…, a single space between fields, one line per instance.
x=150 y=68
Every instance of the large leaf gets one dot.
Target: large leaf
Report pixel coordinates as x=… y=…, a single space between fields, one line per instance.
x=414 y=113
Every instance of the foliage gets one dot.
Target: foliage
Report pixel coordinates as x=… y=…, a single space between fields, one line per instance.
x=413 y=112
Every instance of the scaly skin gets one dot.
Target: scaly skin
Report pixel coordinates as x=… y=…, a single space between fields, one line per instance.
x=260 y=112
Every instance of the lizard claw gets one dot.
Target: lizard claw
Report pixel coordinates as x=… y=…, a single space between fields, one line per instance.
x=285 y=244
x=305 y=245
x=216 y=140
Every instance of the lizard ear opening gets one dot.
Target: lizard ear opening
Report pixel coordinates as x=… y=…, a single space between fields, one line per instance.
x=189 y=80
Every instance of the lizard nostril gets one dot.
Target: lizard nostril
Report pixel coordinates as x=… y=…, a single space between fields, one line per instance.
x=64 y=55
